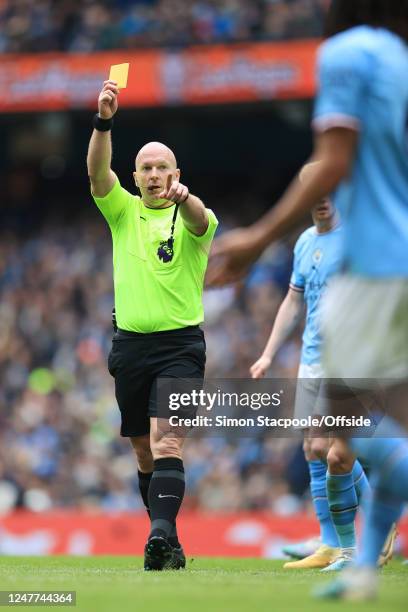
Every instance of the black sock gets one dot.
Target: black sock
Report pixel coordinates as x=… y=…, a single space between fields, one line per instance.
x=166 y=493
x=144 y=483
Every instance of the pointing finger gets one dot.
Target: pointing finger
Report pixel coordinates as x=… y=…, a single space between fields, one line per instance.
x=173 y=192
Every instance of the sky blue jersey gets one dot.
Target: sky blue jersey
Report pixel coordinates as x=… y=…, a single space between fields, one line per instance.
x=317 y=257
x=363 y=85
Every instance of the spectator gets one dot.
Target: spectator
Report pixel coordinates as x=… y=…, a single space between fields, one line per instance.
x=30 y=26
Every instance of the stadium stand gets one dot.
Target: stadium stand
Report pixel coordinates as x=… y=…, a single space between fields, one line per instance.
x=29 y=26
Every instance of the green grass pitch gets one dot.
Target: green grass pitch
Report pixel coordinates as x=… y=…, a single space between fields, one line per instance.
x=117 y=584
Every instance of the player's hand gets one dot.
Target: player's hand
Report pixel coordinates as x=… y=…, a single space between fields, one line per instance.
x=174 y=191
x=108 y=100
x=231 y=256
x=259 y=368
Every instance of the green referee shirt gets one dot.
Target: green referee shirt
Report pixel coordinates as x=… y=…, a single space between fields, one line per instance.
x=151 y=295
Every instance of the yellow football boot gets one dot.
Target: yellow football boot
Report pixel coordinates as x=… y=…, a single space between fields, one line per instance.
x=323 y=556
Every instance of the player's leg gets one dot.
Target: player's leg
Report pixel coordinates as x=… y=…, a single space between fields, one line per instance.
x=316 y=455
x=317 y=471
x=316 y=450
x=327 y=535
x=343 y=500
x=346 y=484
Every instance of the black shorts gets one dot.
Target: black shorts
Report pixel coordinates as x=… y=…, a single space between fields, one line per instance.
x=137 y=360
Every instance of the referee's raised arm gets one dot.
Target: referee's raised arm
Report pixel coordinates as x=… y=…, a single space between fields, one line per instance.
x=100 y=146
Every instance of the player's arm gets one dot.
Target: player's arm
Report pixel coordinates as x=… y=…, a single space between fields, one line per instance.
x=99 y=156
x=191 y=208
x=289 y=315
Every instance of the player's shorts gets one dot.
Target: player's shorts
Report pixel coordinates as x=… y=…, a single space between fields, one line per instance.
x=365 y=329
x=365 y=348
x=136 y=361
x=310 y=398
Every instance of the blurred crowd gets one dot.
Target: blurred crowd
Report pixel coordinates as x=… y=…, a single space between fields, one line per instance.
x=59 y=423
x=88 y=25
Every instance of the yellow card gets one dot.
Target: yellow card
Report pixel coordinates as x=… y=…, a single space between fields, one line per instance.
x=119 y=73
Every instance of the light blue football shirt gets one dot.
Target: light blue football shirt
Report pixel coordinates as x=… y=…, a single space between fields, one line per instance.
x=317 y=257
x=363 y=84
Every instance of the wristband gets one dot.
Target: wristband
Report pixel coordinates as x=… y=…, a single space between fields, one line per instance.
x=102 y=125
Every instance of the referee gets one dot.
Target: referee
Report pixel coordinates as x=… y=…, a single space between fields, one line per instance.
x=161 y=242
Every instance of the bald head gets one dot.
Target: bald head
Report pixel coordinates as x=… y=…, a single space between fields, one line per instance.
x=155 y=150
x=308 y=171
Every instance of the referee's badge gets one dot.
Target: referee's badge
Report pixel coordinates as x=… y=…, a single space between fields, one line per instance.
x=165 y=252
x=317 y=256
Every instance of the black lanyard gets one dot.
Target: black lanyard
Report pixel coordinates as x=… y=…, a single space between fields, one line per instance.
x=165 y=252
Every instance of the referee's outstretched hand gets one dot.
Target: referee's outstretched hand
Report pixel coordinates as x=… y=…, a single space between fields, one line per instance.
x=108 y=100
x=175 y=191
